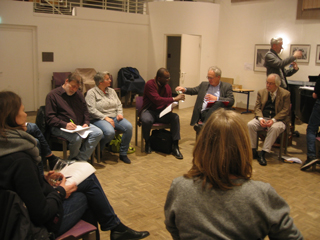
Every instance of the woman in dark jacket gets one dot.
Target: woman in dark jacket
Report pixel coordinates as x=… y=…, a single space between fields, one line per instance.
x=60 y=208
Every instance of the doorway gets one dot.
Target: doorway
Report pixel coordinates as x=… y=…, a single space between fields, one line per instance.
x=18 y=63
x=183 y=62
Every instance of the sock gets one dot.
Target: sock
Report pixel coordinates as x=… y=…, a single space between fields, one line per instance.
x=120 y=228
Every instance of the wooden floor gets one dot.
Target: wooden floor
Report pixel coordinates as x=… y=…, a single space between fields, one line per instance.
x=138 y=191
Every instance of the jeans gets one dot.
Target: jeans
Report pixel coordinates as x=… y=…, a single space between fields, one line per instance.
x=89 y=195
x=44 y=149
x=123 y=126
x=79 y=149
x=312 y=130
x=148 y=117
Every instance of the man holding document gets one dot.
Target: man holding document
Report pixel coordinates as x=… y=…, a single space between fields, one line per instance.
x=212 y=95
x=66 y=113
x=156 y=97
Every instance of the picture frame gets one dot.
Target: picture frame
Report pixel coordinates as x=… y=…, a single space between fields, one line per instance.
x=305 y=48
x=318 y=54
x=260 y=51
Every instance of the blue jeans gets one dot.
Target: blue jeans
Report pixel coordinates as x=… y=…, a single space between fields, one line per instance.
x=79 y=149
x=44 y=149
x=312 y=129
x=89 y=195
x=124 y=126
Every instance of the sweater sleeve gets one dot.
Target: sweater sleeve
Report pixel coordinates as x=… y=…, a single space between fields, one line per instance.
x=169 y=211
x=281 y=224
x=44 y=203
x=152 y=94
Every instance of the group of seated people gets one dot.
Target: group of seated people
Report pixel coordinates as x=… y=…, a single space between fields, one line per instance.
x=221 y=168
x=220 y=174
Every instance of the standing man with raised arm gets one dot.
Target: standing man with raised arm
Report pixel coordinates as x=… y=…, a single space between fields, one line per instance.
x=66 y=108
x=275 y=64
x=211 y=90
x=156 y=97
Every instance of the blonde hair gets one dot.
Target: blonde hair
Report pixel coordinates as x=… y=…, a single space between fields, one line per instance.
x=222 y=151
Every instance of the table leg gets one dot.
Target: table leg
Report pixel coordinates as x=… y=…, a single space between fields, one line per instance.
x=248 y=98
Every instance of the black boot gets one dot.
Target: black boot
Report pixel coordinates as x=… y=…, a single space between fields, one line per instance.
x=175 y=150
x=147 y=147
x=261 y=159
x=254 y=153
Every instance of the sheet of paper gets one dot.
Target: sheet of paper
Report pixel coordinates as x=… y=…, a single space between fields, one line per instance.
x=77 y=172
x=168 y=109
x=82 y=131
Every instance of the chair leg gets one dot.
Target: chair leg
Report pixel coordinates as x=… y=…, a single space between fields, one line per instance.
x=141 y=139
x=136 y=135
x=98 y=150
x=65 y=149
x=90 y=236
x=281 y=145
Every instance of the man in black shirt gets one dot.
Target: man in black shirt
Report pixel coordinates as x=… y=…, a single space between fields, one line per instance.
x=312 y=129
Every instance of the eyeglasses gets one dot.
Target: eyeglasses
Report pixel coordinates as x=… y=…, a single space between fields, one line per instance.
x=209 y=78
x=166 y=78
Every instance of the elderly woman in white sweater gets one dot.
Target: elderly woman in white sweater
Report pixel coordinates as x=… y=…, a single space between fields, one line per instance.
x=106 y=113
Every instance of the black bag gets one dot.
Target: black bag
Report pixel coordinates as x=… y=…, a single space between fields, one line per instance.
x=161 y=141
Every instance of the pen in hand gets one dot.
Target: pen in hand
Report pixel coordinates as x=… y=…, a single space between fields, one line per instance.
x=71 y=121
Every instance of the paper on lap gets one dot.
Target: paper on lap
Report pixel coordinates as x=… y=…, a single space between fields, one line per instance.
x=77 y=172
x=82 y=131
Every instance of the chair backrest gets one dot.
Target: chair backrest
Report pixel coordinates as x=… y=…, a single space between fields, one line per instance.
x=139 y=103
x=87 y=75
x=228 y=80
x=58 y=79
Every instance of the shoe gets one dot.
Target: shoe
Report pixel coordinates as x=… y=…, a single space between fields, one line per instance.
x=261 y=159
x=198 y=128
x=125 y=159
x=255 y=154
x=147 y=148
x=175 y=150
x=52 y=161
x=309 y=162
x=129 y=234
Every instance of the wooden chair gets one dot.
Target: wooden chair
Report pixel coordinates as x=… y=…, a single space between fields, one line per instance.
x=54 y=141
x=82 y=230
x=139 y=103
x=283 y=137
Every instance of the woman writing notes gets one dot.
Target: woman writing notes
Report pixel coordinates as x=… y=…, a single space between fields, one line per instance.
x=57 y=209
x=217 y=199
x=106 y=113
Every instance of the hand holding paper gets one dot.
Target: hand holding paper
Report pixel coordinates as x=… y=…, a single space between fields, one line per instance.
x=168 y=109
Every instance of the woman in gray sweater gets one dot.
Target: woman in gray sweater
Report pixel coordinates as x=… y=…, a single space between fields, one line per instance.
x=217 y=199
x=106 y=113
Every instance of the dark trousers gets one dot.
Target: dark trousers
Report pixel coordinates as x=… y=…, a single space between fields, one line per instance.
x=148 y=117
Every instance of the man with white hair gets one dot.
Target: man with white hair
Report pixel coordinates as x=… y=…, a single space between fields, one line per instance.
x=275 y=64
x=272 y=113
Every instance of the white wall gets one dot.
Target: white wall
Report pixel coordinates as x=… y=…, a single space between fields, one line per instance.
x=242 y=25
x=104 y=40
x=196 y=18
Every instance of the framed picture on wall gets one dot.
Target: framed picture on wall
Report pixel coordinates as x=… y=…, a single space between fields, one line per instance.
x=260 y=51
x=304 y=48
x=318 y=54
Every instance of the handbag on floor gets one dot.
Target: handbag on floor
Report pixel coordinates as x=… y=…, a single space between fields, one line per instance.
x=161 y=141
